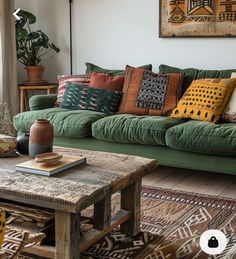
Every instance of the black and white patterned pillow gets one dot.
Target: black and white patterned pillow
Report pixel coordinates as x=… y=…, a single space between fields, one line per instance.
x=152 y=91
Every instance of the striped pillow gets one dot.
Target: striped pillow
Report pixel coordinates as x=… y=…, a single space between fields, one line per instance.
x=63 y=79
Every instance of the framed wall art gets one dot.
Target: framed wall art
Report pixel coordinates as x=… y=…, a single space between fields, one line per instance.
x=197 y=18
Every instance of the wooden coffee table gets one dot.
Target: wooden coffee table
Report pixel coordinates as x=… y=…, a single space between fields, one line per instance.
x=72 y=191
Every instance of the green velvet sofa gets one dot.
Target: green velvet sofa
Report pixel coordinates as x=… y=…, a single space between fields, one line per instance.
x=173 y=142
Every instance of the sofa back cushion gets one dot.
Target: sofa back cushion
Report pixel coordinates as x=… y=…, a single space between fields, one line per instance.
x=94 y=68
x=79 y=97
x=106 y=81
x=148 y=93
x=191 y=74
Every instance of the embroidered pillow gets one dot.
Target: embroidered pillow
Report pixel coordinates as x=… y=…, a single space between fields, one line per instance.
x=205 y=99
x=148 y=93
x=63 y=79
x=79 y=97
x=7 y=146
x=106 y=81
x=94 y=68
x=229 y=113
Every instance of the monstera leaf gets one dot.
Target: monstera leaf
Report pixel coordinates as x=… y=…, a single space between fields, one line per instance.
x=25 y=16
x=21 y=34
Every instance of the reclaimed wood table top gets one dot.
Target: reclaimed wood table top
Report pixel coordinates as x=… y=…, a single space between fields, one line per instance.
x=74 y=189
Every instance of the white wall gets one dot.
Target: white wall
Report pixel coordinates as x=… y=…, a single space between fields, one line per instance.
x=113 y=33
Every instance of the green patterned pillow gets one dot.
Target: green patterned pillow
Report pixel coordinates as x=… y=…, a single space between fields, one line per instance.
x=80 y=97
x=94 y=68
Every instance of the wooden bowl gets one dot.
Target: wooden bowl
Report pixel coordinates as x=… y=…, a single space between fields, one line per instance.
x=48 y=158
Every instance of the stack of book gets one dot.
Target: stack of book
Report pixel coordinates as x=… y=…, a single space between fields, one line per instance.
x=65 y=163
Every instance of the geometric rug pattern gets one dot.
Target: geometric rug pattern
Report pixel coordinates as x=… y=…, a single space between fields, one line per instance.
x=171 y=223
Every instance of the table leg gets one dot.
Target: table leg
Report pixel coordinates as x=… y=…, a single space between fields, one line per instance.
x=67 y=229
x=131 y=201
x=21 y=100
x=102 y=213
x=48 y=91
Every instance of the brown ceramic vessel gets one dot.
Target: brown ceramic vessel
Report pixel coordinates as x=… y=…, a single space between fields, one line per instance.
x=41 y=137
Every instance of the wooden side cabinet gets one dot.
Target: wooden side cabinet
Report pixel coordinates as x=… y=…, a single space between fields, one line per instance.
x=50 y=88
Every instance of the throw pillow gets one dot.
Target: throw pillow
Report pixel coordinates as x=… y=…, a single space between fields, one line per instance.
x=191 y=74
x=94 y=68
x=205 y=99
x=79 y=97
x=63 y=79
x=100 y=80
x=148 y=93
x=229 y=113
x=7 y=146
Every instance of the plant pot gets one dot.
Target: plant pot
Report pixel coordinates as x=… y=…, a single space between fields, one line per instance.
x=35 y=73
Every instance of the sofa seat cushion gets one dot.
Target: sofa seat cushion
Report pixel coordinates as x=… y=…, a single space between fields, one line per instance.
x=203 y=137
x=127 y=128
x=66 y=123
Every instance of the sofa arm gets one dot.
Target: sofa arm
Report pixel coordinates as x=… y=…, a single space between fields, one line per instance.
x=40 y=102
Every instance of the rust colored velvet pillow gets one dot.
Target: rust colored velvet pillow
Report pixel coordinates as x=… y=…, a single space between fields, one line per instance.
x=106 y=81
x=148 y=93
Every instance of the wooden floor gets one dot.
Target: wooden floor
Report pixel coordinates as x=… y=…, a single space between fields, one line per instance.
x=193 y=181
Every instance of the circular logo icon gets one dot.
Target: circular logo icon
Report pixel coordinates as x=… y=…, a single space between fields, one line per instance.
x=213 y=242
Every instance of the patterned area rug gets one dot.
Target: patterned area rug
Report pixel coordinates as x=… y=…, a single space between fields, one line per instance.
x=171 y=224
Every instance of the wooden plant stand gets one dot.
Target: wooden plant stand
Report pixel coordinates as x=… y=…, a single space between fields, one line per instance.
x=50 y=88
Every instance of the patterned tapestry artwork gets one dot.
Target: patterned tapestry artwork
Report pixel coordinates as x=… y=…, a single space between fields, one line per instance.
x=197 y=18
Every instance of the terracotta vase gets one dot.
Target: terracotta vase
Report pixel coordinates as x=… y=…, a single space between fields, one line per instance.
x=35 y=73
x=41 y=138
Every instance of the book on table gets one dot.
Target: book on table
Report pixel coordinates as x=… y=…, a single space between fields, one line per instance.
x=65 y=163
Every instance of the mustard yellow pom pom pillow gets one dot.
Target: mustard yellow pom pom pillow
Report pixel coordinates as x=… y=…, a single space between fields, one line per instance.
x=205 y=99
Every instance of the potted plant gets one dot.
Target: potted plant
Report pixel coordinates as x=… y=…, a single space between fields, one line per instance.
x=33 y=47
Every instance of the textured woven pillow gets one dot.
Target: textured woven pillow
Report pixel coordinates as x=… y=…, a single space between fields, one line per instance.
x=79 y=97
x=106 y=81
x=145 y=92
x=94 y=68
x=7 y=146
x=63 y=79
x=229 y=113
x=205 y=99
